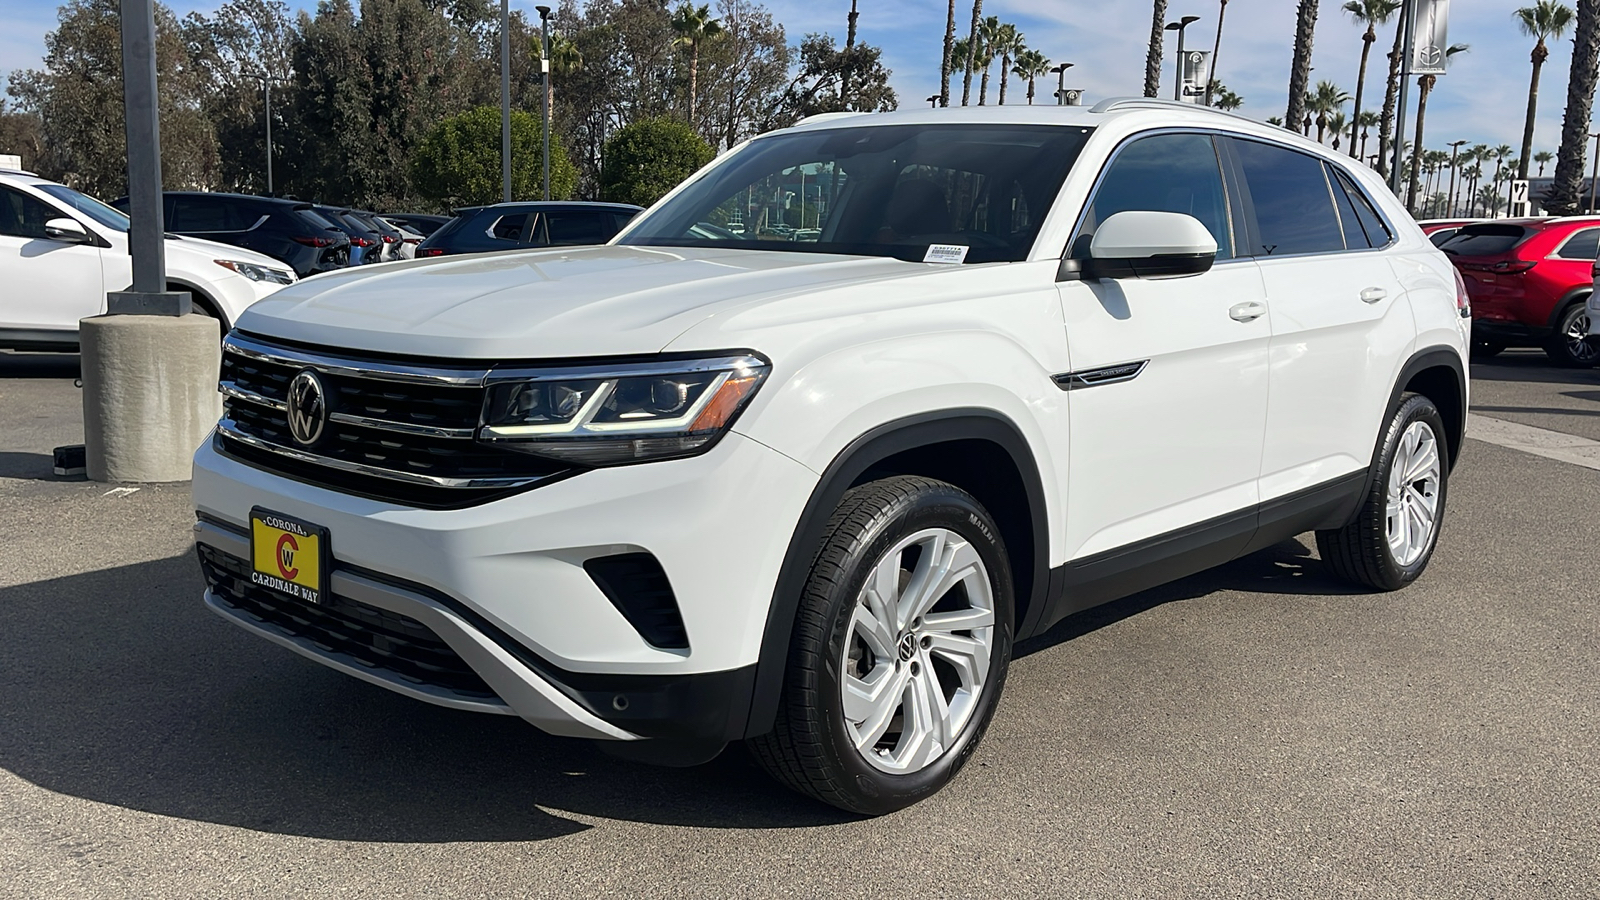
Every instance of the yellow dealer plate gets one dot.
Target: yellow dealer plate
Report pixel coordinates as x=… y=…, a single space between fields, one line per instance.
x=288 y=556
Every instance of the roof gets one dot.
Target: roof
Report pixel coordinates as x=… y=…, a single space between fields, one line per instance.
x=546 y=204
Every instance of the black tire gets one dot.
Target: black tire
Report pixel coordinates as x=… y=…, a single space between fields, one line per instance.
x=1360 y=552
x=809 y=749
x=1482 y=349
x=1567 y=350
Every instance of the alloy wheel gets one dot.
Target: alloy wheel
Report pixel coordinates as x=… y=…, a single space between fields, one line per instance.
x=1413 y=497
x=1576 y=335
x=916 y=655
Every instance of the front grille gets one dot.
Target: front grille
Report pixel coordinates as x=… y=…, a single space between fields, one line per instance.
x=398 y=432
x=375 y=638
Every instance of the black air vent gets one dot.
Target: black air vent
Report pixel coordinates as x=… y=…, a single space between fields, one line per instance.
x=636 y=585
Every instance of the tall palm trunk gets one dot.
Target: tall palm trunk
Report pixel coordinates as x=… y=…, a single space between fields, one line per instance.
x=1031 y=80
x=694 y=80
x=1367 y=40
x=1005 y=69
x=1152 y=60
x=1425 y=85
x=949 y=44
x=849 y=58
x=1300 y=71
x=1540 y=54
x=1391 y=97
x=972 y=53
x=1568 y=186
x=1216 y=48
x=983 y=89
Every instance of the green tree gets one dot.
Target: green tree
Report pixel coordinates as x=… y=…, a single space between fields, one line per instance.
x=1030 y=66
x=694 y=27
x=1568 y=186
x=646 y=159
x=458 y=162
x=815 y=88
x=1328 y=100
x=1007 y=42
x=1153 y=57
x=21 y=133
x=1543 y=158
x=1300 y=68
x=1370 y=13
x=1544 y=19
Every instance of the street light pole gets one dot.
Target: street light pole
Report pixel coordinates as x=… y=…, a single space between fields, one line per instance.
x=1180 y=26
x=1455 y=148
x=266 y=86
x=544 y=97
x=1061 y=82
x=505 y=100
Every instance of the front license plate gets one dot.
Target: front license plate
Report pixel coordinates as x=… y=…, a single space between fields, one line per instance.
x=288 y=555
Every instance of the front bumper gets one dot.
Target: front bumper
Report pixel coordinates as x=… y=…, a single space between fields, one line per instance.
x=504 y=586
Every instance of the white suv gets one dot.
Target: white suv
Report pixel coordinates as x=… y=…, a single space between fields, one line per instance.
x=800 y=455
x=62 y=251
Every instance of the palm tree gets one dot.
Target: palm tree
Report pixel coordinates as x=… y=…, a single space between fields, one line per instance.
x=1425 y=85
x=1543 y=158
x=1336 y=126
x=972 y=53
x=949 y=45
x=1568 y=186
x=1216 y=48
x=1364 y=121
x=1391 y=96
x=1503 y=155
x=1490 y=200
x=1469 y=180
x=1275 y=120
x=1327 y=100
x=1227 y=100
x=987 y=32
x=1371 y=13
x=1153 y=60
x=1300 y=70
x=565 y=59
x=694 y=27
x=1007 y=42
x=1545 y=19
x=849 y=56
x=1030 y=65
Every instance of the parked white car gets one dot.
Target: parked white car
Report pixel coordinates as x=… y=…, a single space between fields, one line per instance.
x=698 y=486
x=62 y=251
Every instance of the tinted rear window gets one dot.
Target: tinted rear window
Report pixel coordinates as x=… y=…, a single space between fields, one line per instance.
x=1293 y=201
x=1485 y=240
x=1584 y=245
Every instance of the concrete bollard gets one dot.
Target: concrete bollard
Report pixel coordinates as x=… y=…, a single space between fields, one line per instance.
x=149 y=394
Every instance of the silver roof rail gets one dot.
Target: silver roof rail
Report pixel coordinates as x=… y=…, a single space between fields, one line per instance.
x=1112 y=104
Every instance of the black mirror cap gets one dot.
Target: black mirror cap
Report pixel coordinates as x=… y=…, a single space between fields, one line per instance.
x=1165 y=265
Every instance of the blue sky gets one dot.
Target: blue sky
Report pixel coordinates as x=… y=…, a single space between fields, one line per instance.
x=1483 y=99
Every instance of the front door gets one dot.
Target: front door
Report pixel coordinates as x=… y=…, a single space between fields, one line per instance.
x=1168 y=394
x=49 y=284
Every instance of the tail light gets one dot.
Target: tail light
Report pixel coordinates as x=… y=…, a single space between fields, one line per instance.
x=430 y=251
x=389 y=239
x=362 y=242
x=314 y=241
x=1463 y=302
x=1512 y=267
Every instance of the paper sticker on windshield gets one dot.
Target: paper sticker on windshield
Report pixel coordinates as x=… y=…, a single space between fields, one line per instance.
x=949 y=254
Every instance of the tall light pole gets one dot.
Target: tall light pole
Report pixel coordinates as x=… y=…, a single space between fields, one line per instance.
x=1180 y=26
x=544 y=84
x=505 y=100
x=266 y=88
x=1594 y=181
x=1455 y=149
x=1061 y=82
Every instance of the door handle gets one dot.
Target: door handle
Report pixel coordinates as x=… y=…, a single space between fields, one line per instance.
x=1248 y=311
x=1373 y=295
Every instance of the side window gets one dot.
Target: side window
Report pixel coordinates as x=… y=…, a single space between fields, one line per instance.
x=1584 y=245
x=510 y=228
x=199 y=214
x=1355 y=237
x=1163 y=173
x=22 y=216
x=1378 y=234
x=569 y=228
x=1292 y=199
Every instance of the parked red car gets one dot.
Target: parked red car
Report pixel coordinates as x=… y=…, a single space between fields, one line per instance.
x=1528 y=280
x=1441 y=230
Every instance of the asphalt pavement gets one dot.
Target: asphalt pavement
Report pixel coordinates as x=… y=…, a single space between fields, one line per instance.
x=1260 y=730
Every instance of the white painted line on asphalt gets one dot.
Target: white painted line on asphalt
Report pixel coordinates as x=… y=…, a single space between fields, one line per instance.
x=1568 y=448
x=120 y=492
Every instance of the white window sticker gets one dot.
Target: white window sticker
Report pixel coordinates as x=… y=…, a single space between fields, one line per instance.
x=949 y=254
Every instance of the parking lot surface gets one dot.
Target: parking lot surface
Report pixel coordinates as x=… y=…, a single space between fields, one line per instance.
x=1260 y=730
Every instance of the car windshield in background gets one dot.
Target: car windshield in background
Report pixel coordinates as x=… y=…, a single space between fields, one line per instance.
x=1485 y=240
x=881 y=190
x=87 y=205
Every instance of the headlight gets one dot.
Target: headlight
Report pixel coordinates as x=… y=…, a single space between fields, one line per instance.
x=257 y=273
x=600 y=416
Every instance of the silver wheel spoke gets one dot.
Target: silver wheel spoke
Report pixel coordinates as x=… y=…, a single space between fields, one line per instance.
x=969 y=656
x=928 y=718
x=889 y=698
x=878 y=636
x=1424 y=462
x=953 y=562
x=1412 y=509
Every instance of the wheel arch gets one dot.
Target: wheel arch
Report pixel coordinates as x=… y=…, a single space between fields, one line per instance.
x=201 y=298
x=978 y=450
x=1438 y=374
x=1577 y=295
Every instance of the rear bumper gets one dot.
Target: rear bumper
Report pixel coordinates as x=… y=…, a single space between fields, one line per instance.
x=1516 y=333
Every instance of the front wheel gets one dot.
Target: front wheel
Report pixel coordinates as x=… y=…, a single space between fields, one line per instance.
x=1571 y=346
x=900 y=648
x=1393 y=535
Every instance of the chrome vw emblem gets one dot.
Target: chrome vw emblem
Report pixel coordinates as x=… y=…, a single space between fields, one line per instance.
x=308 y=408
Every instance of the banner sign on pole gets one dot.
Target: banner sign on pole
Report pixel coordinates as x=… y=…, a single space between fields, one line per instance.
x=1196 y=72
x=1429 y=36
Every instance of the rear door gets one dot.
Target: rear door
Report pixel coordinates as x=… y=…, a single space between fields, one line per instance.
x=577 y=227
x=1339 y=328
x=48 y=284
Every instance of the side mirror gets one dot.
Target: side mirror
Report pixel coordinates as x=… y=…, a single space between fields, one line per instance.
x=1144 y=244
x=69 y=231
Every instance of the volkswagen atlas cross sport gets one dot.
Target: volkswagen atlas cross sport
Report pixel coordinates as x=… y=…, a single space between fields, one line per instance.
x=798 y=456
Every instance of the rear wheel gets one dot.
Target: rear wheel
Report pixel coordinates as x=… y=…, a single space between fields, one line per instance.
x=1570 y=345
x=900 y=648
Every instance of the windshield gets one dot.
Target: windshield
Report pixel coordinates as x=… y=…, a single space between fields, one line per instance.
x=889 y=190
x=89 y=206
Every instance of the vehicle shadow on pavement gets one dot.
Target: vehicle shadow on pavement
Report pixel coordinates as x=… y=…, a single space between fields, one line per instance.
x=33 y=466
x=1531 y=367
x=117 y=686
x=1287 y=568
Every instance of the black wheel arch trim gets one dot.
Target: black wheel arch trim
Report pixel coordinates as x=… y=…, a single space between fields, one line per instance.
x=1577 y=295
x=201 y=298
x=889 y=439
x=1427 y=358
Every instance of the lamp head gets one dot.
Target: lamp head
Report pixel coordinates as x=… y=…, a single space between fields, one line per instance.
x=544 y=12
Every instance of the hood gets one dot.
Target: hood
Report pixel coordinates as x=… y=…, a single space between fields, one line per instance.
x=544 y=304
x=212 y=250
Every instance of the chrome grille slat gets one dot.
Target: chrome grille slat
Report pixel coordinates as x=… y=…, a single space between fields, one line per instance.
x=229 y=429
x=333 y=365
